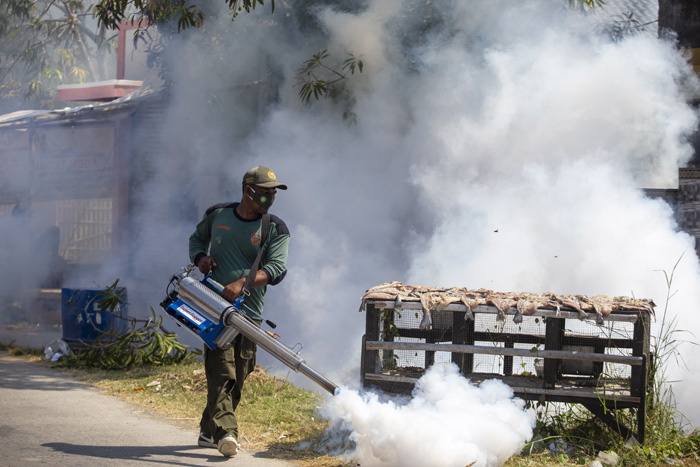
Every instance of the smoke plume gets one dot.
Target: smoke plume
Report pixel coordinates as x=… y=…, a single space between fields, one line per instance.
x=447 y=422
x=505 y=148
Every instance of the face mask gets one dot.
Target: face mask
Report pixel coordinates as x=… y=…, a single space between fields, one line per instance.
x=265 y=200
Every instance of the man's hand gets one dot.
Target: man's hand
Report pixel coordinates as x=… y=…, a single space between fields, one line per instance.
x=233 y=290
x=206 y=264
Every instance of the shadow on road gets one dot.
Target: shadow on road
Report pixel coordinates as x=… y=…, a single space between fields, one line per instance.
x=142 y=453
x=11 y=379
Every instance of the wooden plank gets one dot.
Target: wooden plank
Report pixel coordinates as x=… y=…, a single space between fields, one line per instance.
x=573 y=393
x=391 y=378
x=372 y=333
x=609 y=419
x=508 y=359
x=584 y=393
x=622 y=316
x=458 y=333
x=554 y=333
x=534 y=339
x=477 y=349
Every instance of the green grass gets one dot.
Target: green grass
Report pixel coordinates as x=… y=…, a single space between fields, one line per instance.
x=581 y=436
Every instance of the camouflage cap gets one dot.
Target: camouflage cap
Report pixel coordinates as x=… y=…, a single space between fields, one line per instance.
x=262 y=176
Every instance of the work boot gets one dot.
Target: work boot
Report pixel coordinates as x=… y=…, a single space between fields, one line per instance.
x=228 y=446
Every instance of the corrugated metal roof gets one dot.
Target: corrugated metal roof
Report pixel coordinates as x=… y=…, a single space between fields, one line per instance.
x=644 y=11
x=116 y=108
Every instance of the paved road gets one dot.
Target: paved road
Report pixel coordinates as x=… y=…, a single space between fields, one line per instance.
x=49 y=418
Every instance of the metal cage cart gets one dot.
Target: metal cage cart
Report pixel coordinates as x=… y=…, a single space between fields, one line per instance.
x=546 y=347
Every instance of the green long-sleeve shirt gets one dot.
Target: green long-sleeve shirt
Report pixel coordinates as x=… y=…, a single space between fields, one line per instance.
x=234 y=243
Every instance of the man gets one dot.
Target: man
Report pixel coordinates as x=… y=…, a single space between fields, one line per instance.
x=226 y=243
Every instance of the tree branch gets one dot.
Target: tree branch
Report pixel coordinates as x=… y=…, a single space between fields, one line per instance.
x=79 y=39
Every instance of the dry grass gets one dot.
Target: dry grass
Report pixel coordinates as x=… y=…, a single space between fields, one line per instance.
x=274 y=415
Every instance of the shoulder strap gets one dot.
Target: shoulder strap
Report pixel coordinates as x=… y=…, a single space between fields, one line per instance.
x=219 y=206
x=264 y=230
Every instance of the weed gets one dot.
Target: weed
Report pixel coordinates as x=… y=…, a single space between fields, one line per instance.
x=584 y=435
x=389 y=332
x=144 y=342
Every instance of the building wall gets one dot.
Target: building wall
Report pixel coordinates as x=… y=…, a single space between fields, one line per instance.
x=685 y=201
x=682 y=17
x=688 y=208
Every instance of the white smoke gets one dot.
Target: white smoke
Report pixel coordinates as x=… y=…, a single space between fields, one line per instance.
x=511 y=157
x=537 y=188
x=504 y=150
x=512 y=160
x=447 y=422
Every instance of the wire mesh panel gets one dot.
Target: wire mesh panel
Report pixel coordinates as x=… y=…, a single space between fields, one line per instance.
x=86 y=229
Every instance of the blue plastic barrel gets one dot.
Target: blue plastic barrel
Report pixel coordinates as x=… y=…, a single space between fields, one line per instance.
x=83 y=320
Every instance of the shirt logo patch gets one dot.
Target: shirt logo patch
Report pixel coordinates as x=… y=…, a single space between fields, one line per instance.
x=223 y=227
x=255 y=238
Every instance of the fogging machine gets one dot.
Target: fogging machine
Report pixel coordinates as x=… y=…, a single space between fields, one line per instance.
x=198 y=307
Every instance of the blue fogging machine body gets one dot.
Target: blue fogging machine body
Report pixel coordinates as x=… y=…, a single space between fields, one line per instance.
x=198 y=307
